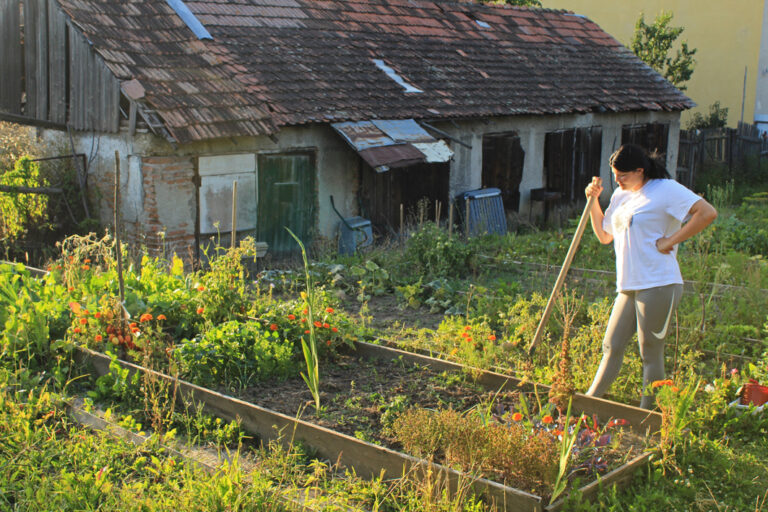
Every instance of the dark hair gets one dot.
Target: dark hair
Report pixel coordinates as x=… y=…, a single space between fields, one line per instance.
x=631 y=156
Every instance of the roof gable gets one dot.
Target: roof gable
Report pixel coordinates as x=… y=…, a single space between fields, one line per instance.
x=273 y=63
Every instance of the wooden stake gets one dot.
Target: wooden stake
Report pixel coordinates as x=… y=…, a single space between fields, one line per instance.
x=402 y=219
x=466 y=218
x=438 y=207
x=233 y=236
x=120 y=282
x=450 y=218
x=561 y=277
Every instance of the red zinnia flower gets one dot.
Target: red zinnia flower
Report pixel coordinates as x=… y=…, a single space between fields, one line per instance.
x=273 y=327
x=201 y=288
x=467 y=327
x=200 y=310
x=327 y=325
x=335 y=329
x=328 y=343
x=77 y=330
x=97 y=314
x=83 y=321
x=492 y=337
x=146 y=317
x=517 y=416
x=305 y=311
x=98 y=337
x=291 y=317
x=306 y=332
x=547 y=419
x=318 y=324
x=329 y=310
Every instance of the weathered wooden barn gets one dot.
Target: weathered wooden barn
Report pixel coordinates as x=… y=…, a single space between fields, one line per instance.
x=377 y=103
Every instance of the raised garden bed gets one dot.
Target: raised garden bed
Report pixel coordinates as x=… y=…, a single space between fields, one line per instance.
x=370 y=459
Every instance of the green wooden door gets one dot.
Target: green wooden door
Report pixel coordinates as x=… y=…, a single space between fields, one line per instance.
x=286 y=199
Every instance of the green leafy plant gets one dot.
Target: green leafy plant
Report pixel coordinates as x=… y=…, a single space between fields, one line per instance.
x=22 y=211
x=653 y=44
x=312 y=376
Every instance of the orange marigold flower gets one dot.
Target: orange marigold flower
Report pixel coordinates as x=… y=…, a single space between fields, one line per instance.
x=492 y=337
x=146 y=317
x=77 y=330
x=675 y=389
x=329 y=310
x=86 y=267
x=327 y=325
x=454 y=351
x=134 y=330
x=517 y=416
x=132 y=324
x=557 y=432
x=97 y=314
x=161 y=317
x=305 y=311
x=318 y=324
x=467 y=327
x=547 y=419
x=335 y=329
x=272 y=327
x=200 y=310
x=86 y=312
x=83 y=321
x=98 y=337
x=291 y=317
x=201 y=288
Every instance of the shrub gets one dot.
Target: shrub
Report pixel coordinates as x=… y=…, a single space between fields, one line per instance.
x=433 y=253
x=507 y=452
x=22 y=212
x=234 y=354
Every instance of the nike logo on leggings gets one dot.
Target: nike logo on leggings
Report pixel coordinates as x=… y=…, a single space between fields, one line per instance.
x=663 y=333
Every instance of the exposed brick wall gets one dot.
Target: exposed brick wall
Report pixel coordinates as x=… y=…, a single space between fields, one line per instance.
x=167 y=223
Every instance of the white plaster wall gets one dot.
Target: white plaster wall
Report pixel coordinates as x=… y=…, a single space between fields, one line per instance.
x=100 y=154
x=466 y=166
x=338 y=165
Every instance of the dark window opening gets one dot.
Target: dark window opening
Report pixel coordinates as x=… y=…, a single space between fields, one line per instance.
x=382 y=194
x=571 y=158
x=503 y=159
x=651 y=136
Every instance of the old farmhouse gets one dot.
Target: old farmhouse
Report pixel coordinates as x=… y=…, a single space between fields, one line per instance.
x=377 y=103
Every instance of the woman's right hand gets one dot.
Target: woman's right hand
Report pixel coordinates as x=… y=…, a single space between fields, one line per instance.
x=595 y=188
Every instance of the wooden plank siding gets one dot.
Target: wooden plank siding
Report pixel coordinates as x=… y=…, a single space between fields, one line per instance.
x=10 y=58
x=57 y=63
x=51 y=72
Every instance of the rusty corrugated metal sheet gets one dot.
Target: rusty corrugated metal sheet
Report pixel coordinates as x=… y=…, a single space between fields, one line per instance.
x=392 y=143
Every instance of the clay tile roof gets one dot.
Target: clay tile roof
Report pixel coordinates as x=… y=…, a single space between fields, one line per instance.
x=275 y=63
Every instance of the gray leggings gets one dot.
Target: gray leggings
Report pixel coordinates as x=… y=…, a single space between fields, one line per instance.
x=648 y=312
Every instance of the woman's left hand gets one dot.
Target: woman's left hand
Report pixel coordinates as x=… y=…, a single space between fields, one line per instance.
x=664 y=245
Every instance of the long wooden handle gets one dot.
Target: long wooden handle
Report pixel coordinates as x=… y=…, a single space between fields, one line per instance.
x=561 y=277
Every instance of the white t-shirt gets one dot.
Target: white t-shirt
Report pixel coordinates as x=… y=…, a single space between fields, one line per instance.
x=636 y=220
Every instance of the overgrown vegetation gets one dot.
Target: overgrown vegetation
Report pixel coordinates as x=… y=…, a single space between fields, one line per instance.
x=475 y=301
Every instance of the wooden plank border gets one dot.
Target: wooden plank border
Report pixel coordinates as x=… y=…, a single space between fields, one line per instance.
x=641 y=420
x=367 y=459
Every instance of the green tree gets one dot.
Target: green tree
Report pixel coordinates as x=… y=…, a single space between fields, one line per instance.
x=653 y=44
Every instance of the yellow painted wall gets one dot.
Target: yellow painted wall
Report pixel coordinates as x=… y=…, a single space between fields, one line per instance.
x=726 y=34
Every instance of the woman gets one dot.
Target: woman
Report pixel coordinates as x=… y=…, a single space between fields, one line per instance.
x=644 y=220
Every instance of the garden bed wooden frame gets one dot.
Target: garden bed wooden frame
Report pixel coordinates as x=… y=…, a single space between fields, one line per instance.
x=369 y=460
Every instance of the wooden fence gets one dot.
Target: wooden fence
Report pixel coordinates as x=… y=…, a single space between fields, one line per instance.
x=735 y=147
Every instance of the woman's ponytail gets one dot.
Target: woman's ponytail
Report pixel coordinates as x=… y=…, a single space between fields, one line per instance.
x=630 y=157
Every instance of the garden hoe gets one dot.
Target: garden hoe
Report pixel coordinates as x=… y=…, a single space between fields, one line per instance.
x=561 y=277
